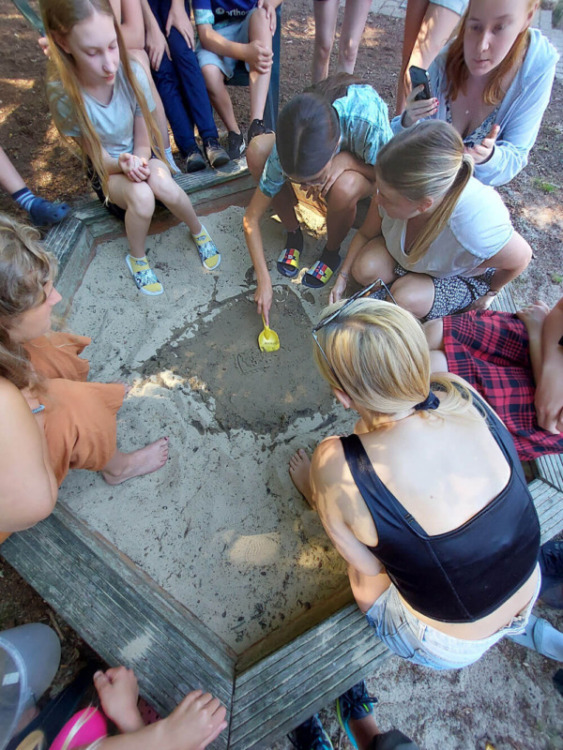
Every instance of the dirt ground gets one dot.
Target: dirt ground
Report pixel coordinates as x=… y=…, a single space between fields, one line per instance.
x=466 y=711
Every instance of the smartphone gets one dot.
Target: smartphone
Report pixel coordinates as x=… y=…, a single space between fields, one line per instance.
x=420 y=76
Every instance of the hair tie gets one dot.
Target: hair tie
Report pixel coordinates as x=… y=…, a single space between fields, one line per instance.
x=430 y=402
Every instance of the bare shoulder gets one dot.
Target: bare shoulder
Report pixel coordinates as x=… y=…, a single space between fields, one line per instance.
x=328 y=459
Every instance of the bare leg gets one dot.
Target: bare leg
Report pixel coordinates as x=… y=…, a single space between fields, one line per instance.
x=364 y=730
x=413 y=19
x=10 y=178
x=434 y=332
x=325 y=14
x=299 y=467
x=353 y=24
x=220 y=99
x=138 y=201
x=172 y=195
x=342 y=203
x=124 y=466
x=414 y=292
x=259 y=30
x=374 y=262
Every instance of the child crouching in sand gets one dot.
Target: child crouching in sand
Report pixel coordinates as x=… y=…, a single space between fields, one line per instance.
x=53 y=421
x=103 y=101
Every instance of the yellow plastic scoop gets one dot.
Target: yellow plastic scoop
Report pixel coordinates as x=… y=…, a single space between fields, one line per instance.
x=268 y=340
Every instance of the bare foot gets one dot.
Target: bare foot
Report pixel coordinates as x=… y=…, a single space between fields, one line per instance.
x=193 y=724
x=299 y=467
x=118 y=693
x=124 y=466
x=533 y=317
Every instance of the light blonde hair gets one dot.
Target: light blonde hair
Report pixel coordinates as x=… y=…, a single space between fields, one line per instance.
x=59 y=17
x=457 y=72
x=25 y=268
x=381 y=358
x=427 y=160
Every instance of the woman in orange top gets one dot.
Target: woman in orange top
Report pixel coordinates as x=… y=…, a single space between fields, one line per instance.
x=53 y=420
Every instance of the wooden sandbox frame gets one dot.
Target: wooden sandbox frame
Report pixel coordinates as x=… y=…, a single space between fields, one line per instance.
x=279 y=681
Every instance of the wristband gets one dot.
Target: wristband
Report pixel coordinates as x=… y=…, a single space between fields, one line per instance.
x=344 y=275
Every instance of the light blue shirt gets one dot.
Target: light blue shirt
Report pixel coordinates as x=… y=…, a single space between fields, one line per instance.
x=520 y=112
x=364 y=125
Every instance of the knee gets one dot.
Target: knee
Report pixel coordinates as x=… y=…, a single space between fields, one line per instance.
x=346 y=191
x=364 y=269
x=260 y=26
x=434 y=332
x=349 y=51
x=213 y=78
x=257 y=153
x=161 y=183
x=140 y=200
x=415 y=293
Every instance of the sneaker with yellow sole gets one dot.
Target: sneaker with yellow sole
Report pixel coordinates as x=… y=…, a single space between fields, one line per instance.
x=143 y=276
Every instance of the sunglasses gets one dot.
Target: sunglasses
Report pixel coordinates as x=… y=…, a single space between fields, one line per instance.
x=366 y=292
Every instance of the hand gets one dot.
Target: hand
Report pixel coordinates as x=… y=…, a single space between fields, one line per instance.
x=194 y=723
x=178 y=18
x=533 y=317
x=156 y=45
x=482 y=151
x=135 y=168
x=337 y=291
x=43 y=42
x=418 y=110
x=549 y=400
x=118 y=692
x=339 y=164
x=270 y=8
x=482 y=303
x=259 y=57
x=263 y=297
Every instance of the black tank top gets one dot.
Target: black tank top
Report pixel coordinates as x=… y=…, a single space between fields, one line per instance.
x=464 y=574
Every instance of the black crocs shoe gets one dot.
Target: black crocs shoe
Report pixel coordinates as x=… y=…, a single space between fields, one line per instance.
x=235 y=145
x=257 y=127
x=551 y=564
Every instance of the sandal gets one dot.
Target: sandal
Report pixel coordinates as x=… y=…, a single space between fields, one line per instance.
x=319 y=274
x=143 y=276
x=288 y=262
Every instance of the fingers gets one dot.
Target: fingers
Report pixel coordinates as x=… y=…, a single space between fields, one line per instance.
x=493 y=133
x=169 y=24
x=167 y=50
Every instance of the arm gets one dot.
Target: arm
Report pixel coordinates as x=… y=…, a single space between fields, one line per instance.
x=370 y=228
x=338 y=501
x=510 y=261
x=549 y=391
x=518 y=133
x=131 y=165
x=254 y=53
x=251 y=224
x=130 y=17
x=29 y=488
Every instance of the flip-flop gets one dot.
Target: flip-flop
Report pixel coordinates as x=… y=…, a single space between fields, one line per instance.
x=288 y=262
x=319 y=274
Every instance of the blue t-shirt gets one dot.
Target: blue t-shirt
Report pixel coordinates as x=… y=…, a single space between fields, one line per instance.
x=364 y=125
x=221 y=11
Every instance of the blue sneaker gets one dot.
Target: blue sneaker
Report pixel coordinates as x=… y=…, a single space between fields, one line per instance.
x=310 y=736
x=354 y=704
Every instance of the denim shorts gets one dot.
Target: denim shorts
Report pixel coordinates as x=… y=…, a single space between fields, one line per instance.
x=234 y=32
x=458 y=6
x=411 y=639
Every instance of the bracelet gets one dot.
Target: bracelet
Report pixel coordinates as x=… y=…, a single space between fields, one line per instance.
x=344 y=275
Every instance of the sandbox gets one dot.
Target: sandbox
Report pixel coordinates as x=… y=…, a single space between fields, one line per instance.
x=212 y=572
